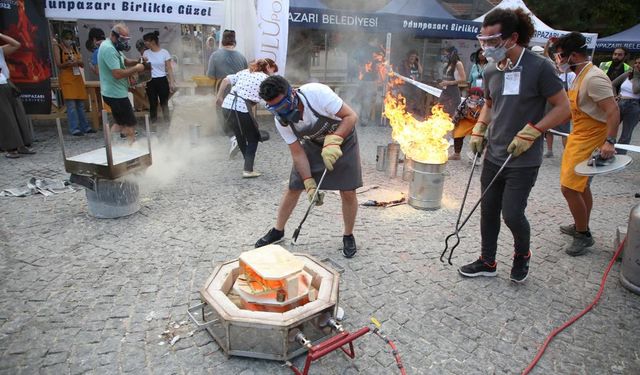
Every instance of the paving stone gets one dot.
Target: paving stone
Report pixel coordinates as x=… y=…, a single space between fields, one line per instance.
x=86 y=286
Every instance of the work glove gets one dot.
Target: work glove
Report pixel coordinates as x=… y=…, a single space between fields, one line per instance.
x=523 y=140
x=476 y=143
x=331 y=150
x=311 y=187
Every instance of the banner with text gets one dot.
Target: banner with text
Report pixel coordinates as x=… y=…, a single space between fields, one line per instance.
x=185 y=11
x=272 y=33
x=380 y=22
x=29 y=66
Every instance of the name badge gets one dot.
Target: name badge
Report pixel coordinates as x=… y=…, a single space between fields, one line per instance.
x=479 y=82
x=512 y=82
x=76 y=71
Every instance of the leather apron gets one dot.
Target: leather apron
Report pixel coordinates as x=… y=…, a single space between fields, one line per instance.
x=347 y=172
x=587 y=135
x=70 y=78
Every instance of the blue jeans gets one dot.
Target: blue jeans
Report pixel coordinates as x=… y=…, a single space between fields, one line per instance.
x=630 y=115
x=75 y=115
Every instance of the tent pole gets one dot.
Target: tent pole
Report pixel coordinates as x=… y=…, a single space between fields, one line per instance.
x=326 y=54
x=387 y=64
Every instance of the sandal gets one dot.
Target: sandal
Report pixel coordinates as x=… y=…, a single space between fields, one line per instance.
x=26 y=151
x=12 y=155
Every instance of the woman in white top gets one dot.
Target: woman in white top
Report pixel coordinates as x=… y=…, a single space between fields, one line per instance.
x=237 y=107
x=453 y=75
x=162 y=80
x=627 y=85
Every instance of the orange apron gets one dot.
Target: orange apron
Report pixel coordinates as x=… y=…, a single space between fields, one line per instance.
x=72 y=85
x=464 y=127
x=587 y=135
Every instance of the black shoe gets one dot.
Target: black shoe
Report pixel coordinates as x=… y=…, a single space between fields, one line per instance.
x=90 y=131
x=349 y=249
x=479 y=268
x=581 y=243
x=520 y=269
x=78 y=134
x=272 y=236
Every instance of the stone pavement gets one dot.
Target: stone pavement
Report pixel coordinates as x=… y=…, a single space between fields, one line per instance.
x=84 y=295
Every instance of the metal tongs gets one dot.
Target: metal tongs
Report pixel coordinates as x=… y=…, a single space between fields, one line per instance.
x=294 y=238
x=459 y=225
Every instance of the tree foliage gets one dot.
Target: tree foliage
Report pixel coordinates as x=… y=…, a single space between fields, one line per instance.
x=604 y=17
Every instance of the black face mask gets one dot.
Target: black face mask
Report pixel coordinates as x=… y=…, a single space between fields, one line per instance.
x=286 y=110
x=121 y=43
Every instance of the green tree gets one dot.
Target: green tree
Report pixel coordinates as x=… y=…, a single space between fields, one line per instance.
x=604 y=17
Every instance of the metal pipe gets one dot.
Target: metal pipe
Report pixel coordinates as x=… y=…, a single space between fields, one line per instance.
x=381 y=158
x=393 y=152
x=107 y=138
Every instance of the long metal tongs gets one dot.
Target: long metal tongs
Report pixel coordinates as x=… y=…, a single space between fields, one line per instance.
x=294 y=238
x=459 y=225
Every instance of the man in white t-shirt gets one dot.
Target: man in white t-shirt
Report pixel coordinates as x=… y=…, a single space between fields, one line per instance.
x=320 y=131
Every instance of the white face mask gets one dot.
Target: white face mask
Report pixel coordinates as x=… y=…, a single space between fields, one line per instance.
x=496 y=54
x=68 y=42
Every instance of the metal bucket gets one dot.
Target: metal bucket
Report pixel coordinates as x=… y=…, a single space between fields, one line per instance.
x=425 y=188
x=381 y=157
x=630 y=274
x=393 y=153
x=407 y=172
x=110 y=199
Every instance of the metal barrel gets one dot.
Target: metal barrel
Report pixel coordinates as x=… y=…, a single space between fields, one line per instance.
x=111 y=199
x=393 y=153
x=381 y=156
x=425 y=188
x=407 y=172
x=630 y=273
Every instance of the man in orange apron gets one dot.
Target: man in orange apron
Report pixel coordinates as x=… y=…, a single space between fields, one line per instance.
x=595 y=118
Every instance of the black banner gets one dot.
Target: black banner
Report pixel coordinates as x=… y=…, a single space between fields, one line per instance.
x=30 y=67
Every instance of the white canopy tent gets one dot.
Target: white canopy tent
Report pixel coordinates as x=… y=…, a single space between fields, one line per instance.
x=543 y=32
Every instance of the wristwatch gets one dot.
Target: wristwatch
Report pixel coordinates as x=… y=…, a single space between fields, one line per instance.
x=611 y=140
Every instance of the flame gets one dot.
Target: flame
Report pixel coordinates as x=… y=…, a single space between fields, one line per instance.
x=422 y=141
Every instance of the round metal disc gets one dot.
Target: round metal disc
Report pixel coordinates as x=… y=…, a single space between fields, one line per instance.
x=583 y=169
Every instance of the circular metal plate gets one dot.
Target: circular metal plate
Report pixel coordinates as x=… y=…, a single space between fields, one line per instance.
x=583 y=169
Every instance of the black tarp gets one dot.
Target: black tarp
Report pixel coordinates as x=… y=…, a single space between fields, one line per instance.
x=424 y=18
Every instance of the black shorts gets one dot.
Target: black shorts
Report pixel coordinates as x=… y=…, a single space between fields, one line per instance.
x=121 y=110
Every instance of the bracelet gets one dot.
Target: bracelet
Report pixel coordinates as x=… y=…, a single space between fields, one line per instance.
x=482 y=122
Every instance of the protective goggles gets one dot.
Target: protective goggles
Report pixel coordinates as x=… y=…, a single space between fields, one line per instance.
x=123 y=39
x=284 y=106
x=489 y=40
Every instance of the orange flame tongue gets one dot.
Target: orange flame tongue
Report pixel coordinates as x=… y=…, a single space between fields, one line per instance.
x=422 y=141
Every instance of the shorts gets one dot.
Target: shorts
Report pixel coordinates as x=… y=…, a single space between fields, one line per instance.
x=121 y=110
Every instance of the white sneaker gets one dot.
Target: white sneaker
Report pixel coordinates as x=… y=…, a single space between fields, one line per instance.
x=233 y=151
x=251 y=174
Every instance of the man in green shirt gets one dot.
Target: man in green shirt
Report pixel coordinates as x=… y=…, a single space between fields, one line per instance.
x=115 y=70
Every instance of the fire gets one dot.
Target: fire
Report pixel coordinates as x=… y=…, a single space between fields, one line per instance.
x=422 y=141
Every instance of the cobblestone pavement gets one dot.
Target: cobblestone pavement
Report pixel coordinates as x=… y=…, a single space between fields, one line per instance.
x=83 y=295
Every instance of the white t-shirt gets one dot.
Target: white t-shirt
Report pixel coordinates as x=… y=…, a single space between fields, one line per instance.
x=247 y=86
x=322 y=99
x=157 y=60
x=4 y=69
x=626 y=90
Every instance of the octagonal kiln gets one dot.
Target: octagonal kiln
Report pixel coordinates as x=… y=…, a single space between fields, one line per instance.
x=269 y=304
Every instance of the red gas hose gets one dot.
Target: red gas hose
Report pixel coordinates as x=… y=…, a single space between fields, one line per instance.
x=394 y=350
x=579 y=315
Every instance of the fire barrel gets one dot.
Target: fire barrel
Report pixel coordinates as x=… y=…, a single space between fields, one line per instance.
x=425 y=188
x=630 y=274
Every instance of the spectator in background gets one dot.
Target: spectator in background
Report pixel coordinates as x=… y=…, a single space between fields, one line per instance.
x=15 y=134
x=465 y=118
x=479 y=63
x=616 y=66
x=453 y=75
x=567 y=80
x=411 y=68
x=115 y=69
x=96 y=36
x=210 y=46
x=627 y=86
x=69 y=61
x=223 y=62
x=162 y=80
x=238 y=106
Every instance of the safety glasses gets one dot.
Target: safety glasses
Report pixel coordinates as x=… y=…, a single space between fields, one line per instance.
x=489 y=40
x=283 y=107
